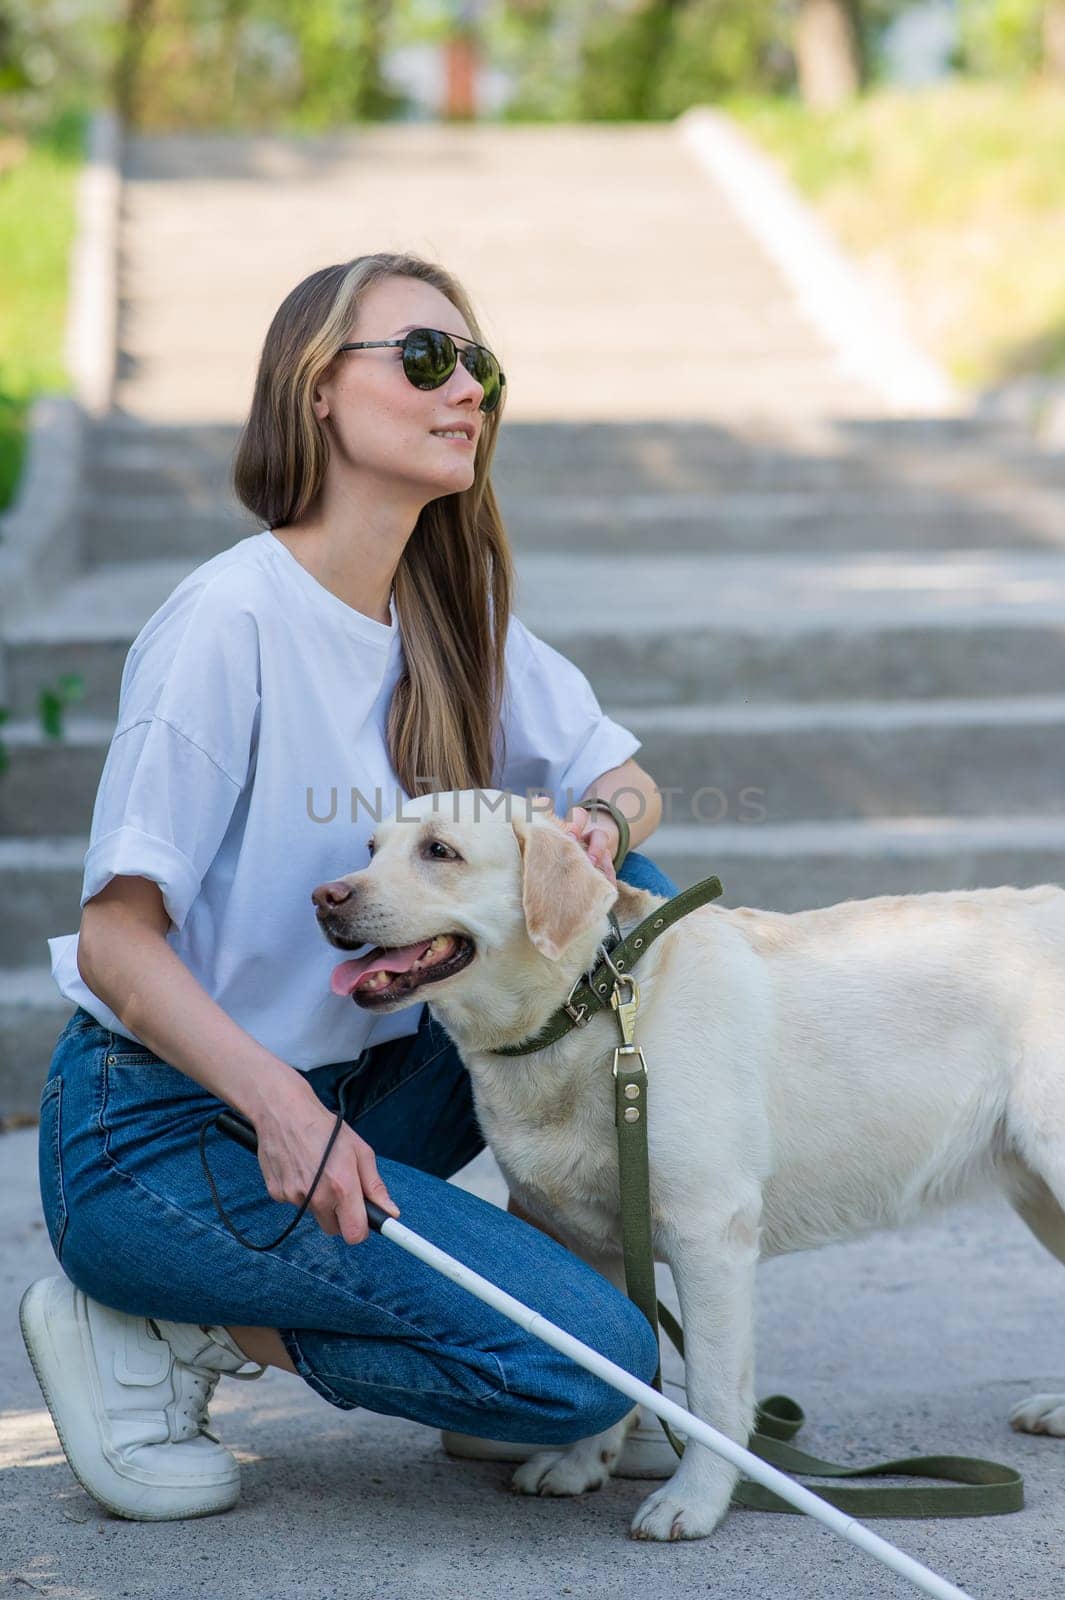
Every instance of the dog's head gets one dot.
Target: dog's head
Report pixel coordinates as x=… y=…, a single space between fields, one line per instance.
x=456 y=879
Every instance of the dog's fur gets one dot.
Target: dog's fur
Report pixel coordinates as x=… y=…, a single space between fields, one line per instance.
x=813 y=1077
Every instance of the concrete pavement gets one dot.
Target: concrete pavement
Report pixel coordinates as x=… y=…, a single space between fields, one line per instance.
x=916 y=1342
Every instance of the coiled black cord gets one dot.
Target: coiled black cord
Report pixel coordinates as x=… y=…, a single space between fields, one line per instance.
x=239 y=1128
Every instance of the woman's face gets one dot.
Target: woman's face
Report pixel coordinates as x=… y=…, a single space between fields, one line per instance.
x=379 y=425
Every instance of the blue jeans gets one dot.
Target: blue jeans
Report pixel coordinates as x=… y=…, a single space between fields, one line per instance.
x=132 y=1224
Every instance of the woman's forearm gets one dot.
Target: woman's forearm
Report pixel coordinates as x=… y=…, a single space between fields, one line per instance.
x=149 y=988
x=636 y=796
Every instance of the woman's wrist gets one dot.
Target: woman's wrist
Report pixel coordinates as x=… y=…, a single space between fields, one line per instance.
x=278 y=1092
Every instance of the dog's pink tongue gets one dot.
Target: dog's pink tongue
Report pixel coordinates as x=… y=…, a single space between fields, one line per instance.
x=345 y=979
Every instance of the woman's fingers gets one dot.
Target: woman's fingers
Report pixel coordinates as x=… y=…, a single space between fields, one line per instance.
x=373 y=1185
x=351 y=1216
x=595 y=841
x=356 y=1183
x=289 y=1156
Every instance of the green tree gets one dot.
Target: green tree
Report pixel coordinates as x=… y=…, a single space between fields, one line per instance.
x=204 y=63
x=1013 y=38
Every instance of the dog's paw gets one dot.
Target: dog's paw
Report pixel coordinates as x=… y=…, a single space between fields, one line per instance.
x=569 y=1472
x=1040 y=1413
x=670 y=1514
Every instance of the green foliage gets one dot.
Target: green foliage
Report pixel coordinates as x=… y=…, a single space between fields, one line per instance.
x=536 y=43
x=1001 y=38
x=955 y=197
x=51 y=62
x=248 y=64
x=658 y=58
x=52 y=703
x=719 y=47
x=36 y=234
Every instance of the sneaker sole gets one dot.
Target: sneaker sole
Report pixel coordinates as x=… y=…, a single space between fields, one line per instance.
x=49 y=1367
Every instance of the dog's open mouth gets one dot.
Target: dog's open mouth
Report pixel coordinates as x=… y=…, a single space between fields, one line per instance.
x=388 y=973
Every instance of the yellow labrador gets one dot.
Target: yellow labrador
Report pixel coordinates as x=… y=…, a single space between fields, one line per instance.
x=814 y=1076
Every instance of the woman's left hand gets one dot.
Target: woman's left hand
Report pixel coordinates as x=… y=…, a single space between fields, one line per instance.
x=597 y=833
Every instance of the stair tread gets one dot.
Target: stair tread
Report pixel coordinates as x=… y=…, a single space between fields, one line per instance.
x=852 y=836
x=865 y=716
x=921 y=834
x=794 y=592
x=748 y=719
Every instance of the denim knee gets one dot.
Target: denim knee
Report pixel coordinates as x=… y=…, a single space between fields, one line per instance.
x=640 y=872
x=584 y=1404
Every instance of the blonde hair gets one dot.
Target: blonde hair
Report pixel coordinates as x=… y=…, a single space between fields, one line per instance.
x=454 y=583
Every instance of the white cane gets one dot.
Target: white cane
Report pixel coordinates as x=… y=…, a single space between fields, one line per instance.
x=751 y=1466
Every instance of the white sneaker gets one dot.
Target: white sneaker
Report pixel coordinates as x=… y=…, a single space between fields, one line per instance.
x=129 y=1397
x=646 y=1453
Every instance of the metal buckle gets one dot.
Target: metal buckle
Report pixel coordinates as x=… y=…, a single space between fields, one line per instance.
x=629 y=1051
x=580 y=1015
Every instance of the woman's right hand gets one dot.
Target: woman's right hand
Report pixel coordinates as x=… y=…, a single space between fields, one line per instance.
x=293 y=1133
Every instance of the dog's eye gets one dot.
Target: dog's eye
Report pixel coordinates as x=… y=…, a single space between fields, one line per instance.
x=369 y=846
x=442 y=852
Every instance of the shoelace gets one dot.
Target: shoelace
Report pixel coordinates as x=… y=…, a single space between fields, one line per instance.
x=197 y=1391
x=203 y=1381
x=198 y=1383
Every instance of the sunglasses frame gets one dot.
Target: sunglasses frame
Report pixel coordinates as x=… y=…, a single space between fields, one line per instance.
x=455 y=338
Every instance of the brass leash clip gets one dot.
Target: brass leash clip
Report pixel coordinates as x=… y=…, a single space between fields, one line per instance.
x=625 y=1011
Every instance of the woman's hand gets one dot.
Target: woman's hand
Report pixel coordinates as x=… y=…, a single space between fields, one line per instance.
x=597 y=833
x=293 y=1132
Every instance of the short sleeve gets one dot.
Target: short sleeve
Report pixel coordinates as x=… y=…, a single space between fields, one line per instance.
x=181 y=754
x=557 y=738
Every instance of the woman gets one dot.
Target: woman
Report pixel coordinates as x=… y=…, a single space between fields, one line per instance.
x=360 y=646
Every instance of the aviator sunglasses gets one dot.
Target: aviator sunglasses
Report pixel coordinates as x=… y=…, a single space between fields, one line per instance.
x=430 y=357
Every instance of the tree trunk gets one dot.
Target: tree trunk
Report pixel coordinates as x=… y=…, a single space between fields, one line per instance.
x=828 y=51
x=372 y=97
x=136 y=26
x=1054 y=38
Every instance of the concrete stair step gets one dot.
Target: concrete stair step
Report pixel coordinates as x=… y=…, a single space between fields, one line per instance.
x=852 y=760
x=50 y=785
x=123 y=528
x=32 y=1016
x=196 y=525
x=672 y=627
x=650 y=456
x=40 y=886
x=747 y=763
x=794 y=867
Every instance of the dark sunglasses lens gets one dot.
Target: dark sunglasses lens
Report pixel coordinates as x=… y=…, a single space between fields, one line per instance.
x=482 y=365
x=428 y=358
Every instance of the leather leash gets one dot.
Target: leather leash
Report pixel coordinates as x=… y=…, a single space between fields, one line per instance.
x=979 y=1488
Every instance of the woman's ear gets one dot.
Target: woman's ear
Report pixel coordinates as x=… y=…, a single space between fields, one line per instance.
x=562 y=894
x=320 y=404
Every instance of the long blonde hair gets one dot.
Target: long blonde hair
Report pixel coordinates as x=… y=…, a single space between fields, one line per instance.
x=455 y=580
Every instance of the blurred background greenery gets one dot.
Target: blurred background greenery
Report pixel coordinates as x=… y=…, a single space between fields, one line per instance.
x=929 y=134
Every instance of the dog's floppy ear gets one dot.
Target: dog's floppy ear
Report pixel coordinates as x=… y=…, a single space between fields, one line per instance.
x=561 y=892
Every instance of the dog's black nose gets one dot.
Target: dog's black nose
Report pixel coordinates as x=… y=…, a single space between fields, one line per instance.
x=328 y=895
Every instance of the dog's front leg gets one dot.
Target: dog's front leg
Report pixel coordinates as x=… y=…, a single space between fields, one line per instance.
x=713 y=1268
x=588 y=1463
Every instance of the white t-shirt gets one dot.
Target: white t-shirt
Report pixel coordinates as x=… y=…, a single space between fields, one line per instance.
x=248 y=761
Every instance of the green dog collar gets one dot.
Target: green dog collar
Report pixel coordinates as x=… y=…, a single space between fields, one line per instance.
x=591 y=992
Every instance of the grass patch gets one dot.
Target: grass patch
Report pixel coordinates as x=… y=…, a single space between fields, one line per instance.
x=36 y=235
x=953 y=198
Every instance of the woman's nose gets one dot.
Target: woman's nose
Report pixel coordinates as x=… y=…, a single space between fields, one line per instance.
x=463 y=383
